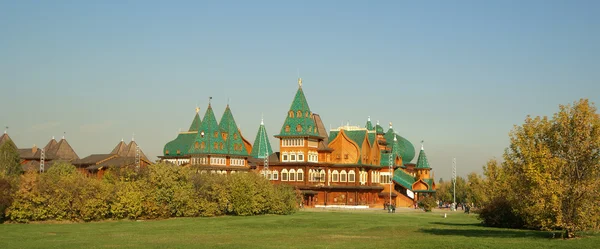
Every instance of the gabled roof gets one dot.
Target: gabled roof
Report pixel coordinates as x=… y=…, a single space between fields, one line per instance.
x=234 y=145
x=209 y=135
x=93 y=159
x=28 y=153
x=196 y=122
x=304 y=121
x=357 y=136
x=262 y=146
x=422 y=162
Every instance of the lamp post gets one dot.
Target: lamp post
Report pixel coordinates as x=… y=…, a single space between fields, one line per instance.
x=454 y=182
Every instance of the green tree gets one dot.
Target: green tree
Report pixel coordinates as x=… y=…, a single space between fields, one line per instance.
x=10 y=162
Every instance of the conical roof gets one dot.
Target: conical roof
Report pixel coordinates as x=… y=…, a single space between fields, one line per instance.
x=299 y=121
x=262 y=146
x=62 y=151
x=422 y=162
x=51 y=144
x=196 y=122
x=120 y=149
x=131 y=149
x=234 y=144
x=208 y=139
x=6 y=139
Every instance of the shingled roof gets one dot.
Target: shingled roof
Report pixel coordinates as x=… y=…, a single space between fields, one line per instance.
x=208 y=139
x=234 y=145
x=262 y=146
x=60 y=151
x=299 y=121
x=6 y=139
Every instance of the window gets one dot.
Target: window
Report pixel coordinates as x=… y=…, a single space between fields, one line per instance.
x=284 y=175
x=335 y=176
x=287 y=128
x=235 y=136
x=343 y=176
x=202 y=145
x=215 y=145
x=300 y=175
x=300 y=157
x=351 y=176
x=306 y=114
x=299 y=114
x=196 y=145
x=284 y=158
x=292 y=157
x=216 y=134
x=292 y=175
x=166 y=151
x=298 y=128
x=291 y=114
x=178 y=152
x=275 y=175
x=322 y=176
x=385 y=178
x=224 y=136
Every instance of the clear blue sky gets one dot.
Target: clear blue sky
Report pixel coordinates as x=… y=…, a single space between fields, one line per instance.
x=458 y=74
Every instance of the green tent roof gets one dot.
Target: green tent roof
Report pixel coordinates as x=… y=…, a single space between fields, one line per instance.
x=234 y=145
x=422 y=162
x=304 y=121
x=196 y=123
x=208 y=134
x=262 y=146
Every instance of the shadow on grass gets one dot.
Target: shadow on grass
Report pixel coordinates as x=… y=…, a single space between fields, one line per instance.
x=487 y=232
x=457 y=224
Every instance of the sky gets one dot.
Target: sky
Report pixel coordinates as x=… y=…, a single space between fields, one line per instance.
x=456 y=74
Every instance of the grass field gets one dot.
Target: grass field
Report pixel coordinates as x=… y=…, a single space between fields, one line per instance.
x=305 y=229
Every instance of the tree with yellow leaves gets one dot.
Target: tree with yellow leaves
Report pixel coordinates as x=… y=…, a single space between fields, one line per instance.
x=551 y=171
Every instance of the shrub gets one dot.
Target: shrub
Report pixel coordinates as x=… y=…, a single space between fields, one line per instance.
x=500 y=213
x=427 y=203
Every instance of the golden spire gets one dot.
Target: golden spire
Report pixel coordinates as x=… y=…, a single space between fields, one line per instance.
x=300 y=82
x=197 y=109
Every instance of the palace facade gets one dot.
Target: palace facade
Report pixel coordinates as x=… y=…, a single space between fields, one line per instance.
x=348 y=165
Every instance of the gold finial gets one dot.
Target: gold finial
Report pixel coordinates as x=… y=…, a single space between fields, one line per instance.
x=197 y=109
x=300 y=82
x=390 y=125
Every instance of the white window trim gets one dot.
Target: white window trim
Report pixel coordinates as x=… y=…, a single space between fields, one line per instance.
x=285 y=157
x=275 y=175
x=335 y=176
x=292 y=173
x=298 y=173
x=345 y=178
x=284 y=172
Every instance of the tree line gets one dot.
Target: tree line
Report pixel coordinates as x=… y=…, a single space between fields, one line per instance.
x=157 y=191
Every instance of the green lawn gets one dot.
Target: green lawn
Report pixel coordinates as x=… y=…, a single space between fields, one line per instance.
x=305 y=229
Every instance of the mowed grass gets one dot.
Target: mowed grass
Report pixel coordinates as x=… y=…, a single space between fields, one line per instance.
x=305 y=229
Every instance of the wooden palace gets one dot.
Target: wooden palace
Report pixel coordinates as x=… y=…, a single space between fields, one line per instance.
x=349 y=165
